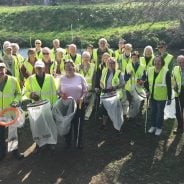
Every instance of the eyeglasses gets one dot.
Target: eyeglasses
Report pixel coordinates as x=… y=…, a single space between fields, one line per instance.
x=44 y=53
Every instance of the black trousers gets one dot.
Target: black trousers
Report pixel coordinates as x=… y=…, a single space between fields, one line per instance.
x=2 y=141
x=180 y=109
x=76 y=129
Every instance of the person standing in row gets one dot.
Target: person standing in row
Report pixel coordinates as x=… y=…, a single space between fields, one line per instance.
x=16 y=54
x=97 y=55
x=147 y=58
x=40 y=86
x=168 y=58
x=118 y=53
x=60 y=61
x=50 y=65
x=74 y=85
x=27 y=68
x=159 y=86
x=11 y=63
x=38 y=49
x=56 y=45
x=73 y=55
x=112 y=81
x=125 y=57
x=178 y=80
x=87 y=70
x=10 y=93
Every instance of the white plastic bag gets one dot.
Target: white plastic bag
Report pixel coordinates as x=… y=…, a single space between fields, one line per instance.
x=134 y=106
x=114 y=109
x=170 y=110
x=42 y=124
x=63 y=113
x=12 y=129
x=90 y=100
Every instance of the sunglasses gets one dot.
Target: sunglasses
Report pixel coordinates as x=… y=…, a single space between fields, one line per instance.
x=160 y=47
x=45 y=53
x=38 y=43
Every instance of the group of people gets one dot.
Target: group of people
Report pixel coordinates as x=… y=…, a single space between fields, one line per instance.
x=99 y=79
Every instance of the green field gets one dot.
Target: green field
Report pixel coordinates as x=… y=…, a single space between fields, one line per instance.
x=142 y=23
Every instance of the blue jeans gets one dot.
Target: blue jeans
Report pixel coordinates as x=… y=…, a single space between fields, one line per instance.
x=157 y=113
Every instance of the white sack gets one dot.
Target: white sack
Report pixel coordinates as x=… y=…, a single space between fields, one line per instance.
x=63 y=113
x=134 y=106
x=90 y=100
x=42 y=124
x=114 y=110
x=170 y=110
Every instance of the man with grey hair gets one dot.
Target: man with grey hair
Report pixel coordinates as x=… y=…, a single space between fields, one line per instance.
x=16 y=54
x=56 y=45
x=12 y=65
x=73 y=55
x=178 y=76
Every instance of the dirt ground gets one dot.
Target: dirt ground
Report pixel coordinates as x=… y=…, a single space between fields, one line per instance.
x=107 y=158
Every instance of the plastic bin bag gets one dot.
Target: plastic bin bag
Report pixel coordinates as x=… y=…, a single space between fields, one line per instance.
x=134 y=107
x=170 y=111
x=114 y=109
x=42 y=124
x=63 y=113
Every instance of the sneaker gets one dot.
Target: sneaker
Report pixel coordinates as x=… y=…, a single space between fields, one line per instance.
x=151 y=130
x=158 y=131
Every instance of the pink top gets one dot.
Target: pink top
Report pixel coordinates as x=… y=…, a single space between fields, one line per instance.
x=75 y=86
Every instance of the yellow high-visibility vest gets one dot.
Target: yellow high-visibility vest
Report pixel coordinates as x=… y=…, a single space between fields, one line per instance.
x=176 y=79
x=48 y=90
x=160 y=88
x=143 y=62
x=95 y=56
x=132 y=82
x=115 y=81
x=168 y=60
x=11 y=93
x=89 y=75
x=77 y=60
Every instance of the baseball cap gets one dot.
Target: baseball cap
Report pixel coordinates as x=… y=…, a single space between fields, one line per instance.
x=39 y=64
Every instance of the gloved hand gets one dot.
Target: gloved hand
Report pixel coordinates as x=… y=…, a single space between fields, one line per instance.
x=168 y=102
x=34 y=96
